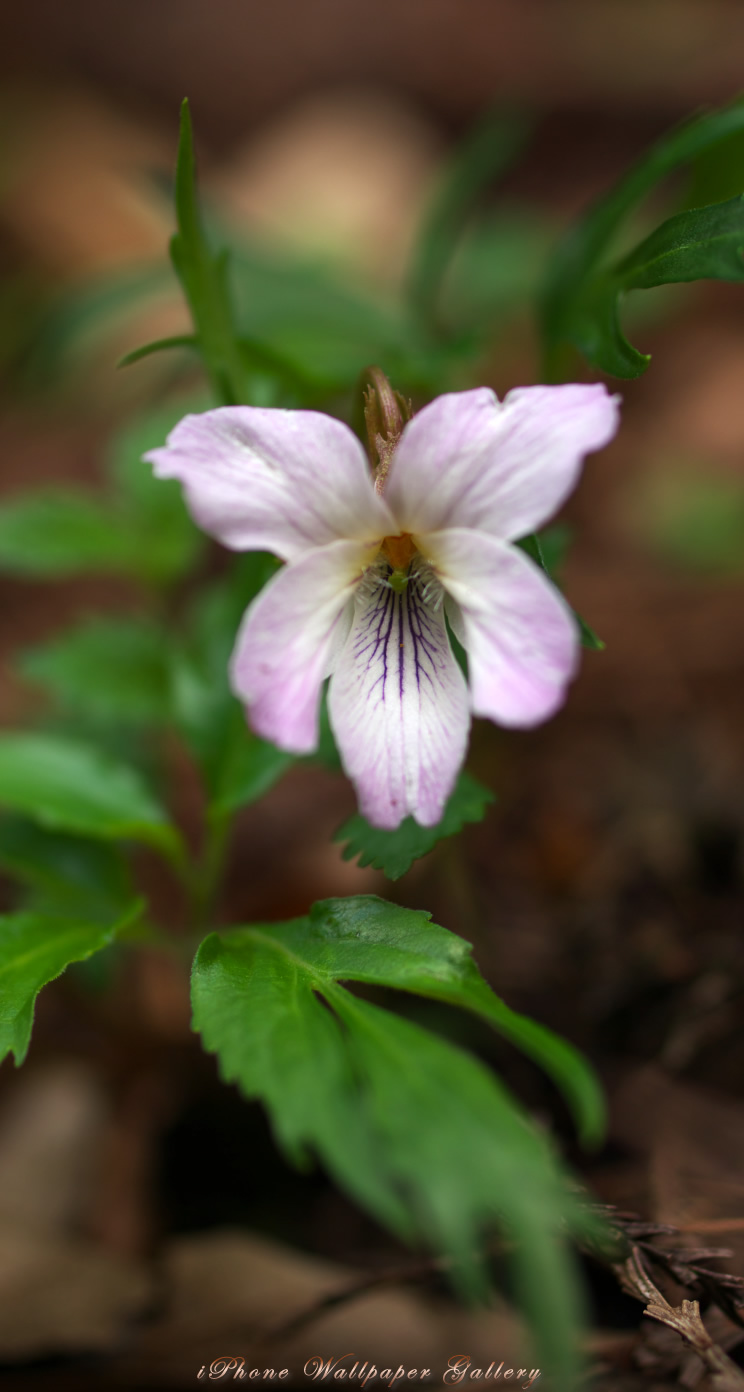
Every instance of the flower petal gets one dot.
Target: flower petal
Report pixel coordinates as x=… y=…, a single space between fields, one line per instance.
x=288 y=640
x=521 y=638
x=269 y=480
x=468 y=460
x=399 y=708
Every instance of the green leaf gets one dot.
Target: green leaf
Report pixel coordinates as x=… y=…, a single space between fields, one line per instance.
x=419 y=956
x=490 y=148
x=68 y=875
x=364 y=938
x=204 y=279
x=579 y=296
x=394 y=852
x=596 y=330
x=701 y=244
x=68 y=785
x=417 y=1130
x=111 y=671
x=57 y=532
x=33 y=951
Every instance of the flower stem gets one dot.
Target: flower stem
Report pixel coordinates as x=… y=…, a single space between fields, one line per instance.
x=206 y=881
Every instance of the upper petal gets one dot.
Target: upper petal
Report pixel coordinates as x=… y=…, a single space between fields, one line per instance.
x=469 y=460
x=398 y=707
x=281 y=481
x=287 y=641
x=521 y=638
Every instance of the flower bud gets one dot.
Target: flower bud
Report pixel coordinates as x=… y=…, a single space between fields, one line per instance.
x=385 y=414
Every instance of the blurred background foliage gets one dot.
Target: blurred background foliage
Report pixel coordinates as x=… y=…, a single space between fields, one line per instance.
x=397 y=201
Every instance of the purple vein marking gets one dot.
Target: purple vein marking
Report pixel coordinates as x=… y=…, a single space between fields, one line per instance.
x=395 y=617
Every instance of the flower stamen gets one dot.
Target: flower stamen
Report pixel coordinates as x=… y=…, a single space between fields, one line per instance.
x=426 y=582
x=399 y=564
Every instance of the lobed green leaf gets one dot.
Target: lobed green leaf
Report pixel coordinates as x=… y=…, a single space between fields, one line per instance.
x=34 y=949
x=368 y=939
x=580 y=294
x=700 y=244
x=111 y=671
x=420 y=956
x=57 y=532
x=70 y=875
x=394 y=852
x=415 y=1129
x=68 y=785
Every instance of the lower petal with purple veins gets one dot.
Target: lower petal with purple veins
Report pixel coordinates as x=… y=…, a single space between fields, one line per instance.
x=398 y=704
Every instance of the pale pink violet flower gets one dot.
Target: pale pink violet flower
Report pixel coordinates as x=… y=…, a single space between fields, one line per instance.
x=370 y=576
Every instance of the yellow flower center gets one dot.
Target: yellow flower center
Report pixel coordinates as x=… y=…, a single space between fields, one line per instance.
x=400 y=566
x=399 y=550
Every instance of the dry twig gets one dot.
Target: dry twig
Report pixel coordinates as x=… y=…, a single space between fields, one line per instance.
x=684 y=1319
x=688 y=1266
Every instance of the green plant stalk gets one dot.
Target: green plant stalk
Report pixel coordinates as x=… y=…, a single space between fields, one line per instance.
x=206 y=883
x=203 y=277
